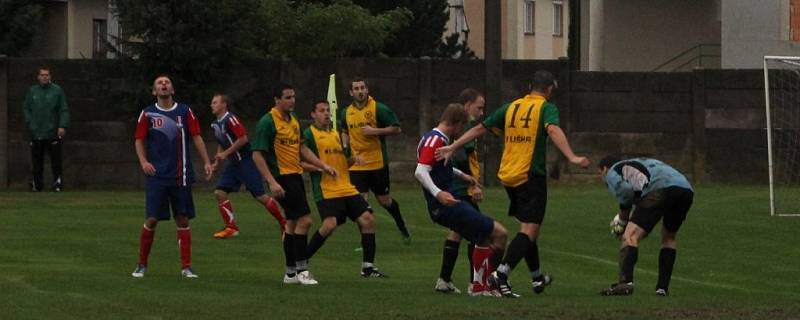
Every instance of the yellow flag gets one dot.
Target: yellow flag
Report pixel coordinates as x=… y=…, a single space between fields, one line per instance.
x=332 y=100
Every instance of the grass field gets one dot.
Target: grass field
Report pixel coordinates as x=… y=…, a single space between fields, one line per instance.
x=69 y=256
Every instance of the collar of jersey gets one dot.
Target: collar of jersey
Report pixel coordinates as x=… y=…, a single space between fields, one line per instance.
x=446 y=138
x=174 y=105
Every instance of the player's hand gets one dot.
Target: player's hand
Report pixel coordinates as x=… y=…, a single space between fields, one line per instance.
x=277 y=190
x=221 y=156
x=61 y=133
x=209 y=171
x=148 y=169
x=369 y=131
x=358 y=160
x=583 y=162
x=476 y=192
x=329 y=170
x=446 y=198
x=444 y=153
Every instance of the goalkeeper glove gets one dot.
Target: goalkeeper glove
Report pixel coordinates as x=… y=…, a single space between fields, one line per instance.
x=617 y=226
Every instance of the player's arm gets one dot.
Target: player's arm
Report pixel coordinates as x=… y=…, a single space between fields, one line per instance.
x=307 y=167
x=446 y=152
x=388 y=124
x=463 y=176
x=199 y=144
x=425 y=161
x=240 y=142
x=261 y=165
x=141 y=150
x=312 y=158
x=387 y=131
x=235 y=126
x=560 y=140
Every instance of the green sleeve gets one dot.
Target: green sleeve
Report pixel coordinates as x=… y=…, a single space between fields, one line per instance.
x=550 y=114
x=308 y=140
x=497 y=119
x=386 y=117
x=63 y=111
x=265 y=134
x=341 y=117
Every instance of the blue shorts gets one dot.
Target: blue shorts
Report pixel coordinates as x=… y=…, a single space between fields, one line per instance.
x=464 y=219
x=161 y=194
x=238 y=172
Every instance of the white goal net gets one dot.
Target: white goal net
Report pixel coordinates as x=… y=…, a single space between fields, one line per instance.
x=782 y=97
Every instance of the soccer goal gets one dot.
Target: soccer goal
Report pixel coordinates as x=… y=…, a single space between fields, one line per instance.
x=782 y=96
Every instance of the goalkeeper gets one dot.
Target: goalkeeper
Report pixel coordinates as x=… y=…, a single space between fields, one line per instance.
x=656 y=190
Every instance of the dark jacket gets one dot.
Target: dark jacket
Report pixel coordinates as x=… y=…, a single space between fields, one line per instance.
x=46 y=111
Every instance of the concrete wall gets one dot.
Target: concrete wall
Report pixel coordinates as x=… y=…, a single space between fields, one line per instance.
x=753 y=29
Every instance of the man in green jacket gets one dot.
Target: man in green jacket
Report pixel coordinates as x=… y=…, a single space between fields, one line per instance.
x=47 y=117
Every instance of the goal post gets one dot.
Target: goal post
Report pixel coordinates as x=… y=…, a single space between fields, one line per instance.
x=782 y=102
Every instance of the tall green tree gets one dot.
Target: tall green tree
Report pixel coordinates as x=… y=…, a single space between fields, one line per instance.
x=19 y=20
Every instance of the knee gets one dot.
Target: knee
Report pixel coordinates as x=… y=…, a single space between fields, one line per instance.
x=182 y=221
x=385 y=201
x=630 y=239
x=151 y=223
x=530 y=229
x=221 y=195
x=668 y=241
x=304 y=222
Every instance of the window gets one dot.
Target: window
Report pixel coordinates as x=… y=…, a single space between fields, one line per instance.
x=530 y=15
x=99 y=35
x=558 y=17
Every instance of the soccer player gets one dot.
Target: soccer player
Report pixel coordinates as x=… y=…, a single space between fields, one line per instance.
x=233 y=143
x=466 y=160
x=337 y=199
x=436 y=177
x=656 y=191
x=365 y=125
x=525 y=123
x=163 y=132
x=279 y=149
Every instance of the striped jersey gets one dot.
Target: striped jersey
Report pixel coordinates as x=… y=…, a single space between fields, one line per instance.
x=441 y=171
x=629 y=180
x=327 y=145
x=167 y=133
x=228 y=129
x=280 y=140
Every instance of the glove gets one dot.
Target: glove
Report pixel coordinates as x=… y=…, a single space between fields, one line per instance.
x=617 y=226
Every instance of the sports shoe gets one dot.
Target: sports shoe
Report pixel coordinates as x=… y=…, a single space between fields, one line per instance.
x=372 y=272
x=540 y=282
x=188 y=273
x=287 y=279
x=477 y=289
x=228 y=232
x=139 y=271
x=501 y=284
x=618 y=289
x=306 y=278
x=406 y=238
x=662 y=292
x=445 y=286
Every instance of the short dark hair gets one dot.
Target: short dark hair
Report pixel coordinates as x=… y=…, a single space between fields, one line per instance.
x=607 y=162
x=541 y=80
x=224 y=98
x=161 y=75
x=277 y=91
x=455 y=114
x=42 y=67
x=469 y=95
x=359 y=79
x=318 y=101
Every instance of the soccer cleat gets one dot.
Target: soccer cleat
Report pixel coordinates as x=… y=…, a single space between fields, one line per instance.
x=540 y=282
x=618 y=289
x=290 y=279
x=372 y=272
x=445 y=286
x=188 y=273
x=228 y=232
x=501 y=284
x=662 y=292
x=139 y=271
x=306 y=278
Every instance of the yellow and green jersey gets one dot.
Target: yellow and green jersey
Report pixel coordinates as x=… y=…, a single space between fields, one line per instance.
x=279 y=141
x=466 y=160
x=327 y=145
x=523 y=124
x=372 y=149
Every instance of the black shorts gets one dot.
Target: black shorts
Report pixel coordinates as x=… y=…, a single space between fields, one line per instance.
x=342 y=208
x=294 y=202
x=469 y=201
x=375 y=180
x=528 y=200
x=671 y=203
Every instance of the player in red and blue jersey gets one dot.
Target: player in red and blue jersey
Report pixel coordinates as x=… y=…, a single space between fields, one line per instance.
x=234 y=146
x=163 y=132
x=436 y=178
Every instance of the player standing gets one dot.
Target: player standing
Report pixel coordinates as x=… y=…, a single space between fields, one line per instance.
x=526 y=123
x=365 y=125
x=279 y=148
x=437 y=176
x=163 y=132
x=656 y=190
x=337 y=199
x=233 y=143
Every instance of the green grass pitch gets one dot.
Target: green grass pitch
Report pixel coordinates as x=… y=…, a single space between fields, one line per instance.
x=69 y=256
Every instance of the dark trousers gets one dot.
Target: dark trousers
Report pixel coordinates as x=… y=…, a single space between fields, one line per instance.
x=38 y=149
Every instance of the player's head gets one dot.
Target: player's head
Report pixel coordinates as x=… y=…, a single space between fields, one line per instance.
x=321 y=113
x=473 y=102
x=284 y=97
x=219 y=104
x=453 y=119
x=43 y=75
x=606 y=163
x=543 y=83
x=162 y=87
x=359 y=90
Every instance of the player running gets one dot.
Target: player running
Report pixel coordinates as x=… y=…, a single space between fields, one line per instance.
x=337 y=199
x=233 y=144
x=436 y=177
x=657 y=191
x=163 y=132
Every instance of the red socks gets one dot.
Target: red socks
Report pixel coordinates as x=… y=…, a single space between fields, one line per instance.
x=275 y=211
x=185 y=245
x=226 y=211
x=145 y=243
x=481 y=265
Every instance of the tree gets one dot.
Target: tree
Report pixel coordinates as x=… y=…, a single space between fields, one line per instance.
x=18 y=23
